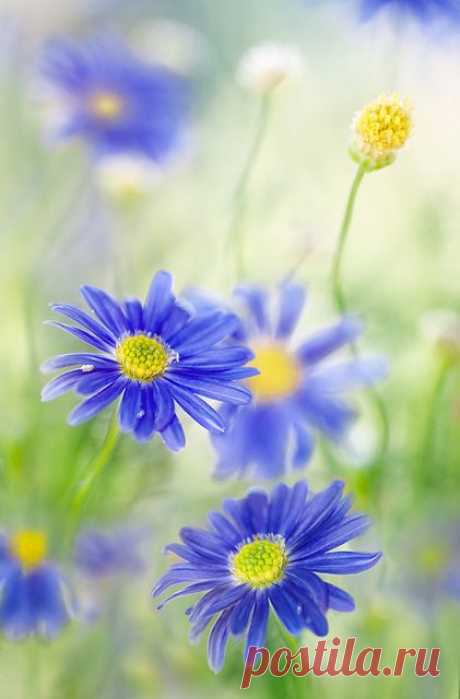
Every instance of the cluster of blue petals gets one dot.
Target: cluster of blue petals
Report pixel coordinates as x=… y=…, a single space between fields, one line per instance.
x=102 y=554
x=153 y=100
x=203 y=365
x=426 y=11
x=311 y=527
x=267 y=436
x=32 y=602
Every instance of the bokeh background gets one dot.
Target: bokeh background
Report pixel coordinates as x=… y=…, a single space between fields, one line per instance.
x=58 y=229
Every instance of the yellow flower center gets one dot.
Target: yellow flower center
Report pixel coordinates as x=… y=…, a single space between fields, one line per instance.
x=106 y=105
x=142 y=358
x=29 y=547
x=260 y=563
x=280 y=372
x=383 y=126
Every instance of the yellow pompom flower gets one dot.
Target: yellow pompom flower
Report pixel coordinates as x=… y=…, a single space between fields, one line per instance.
x=380 y=129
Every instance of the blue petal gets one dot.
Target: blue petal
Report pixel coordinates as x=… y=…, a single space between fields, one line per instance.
x=130 y=406
x=200 y=411
x=176 y=320
x=286 y=609
x=173 y=435
x=159 y=301
x=164 y=405
x=84 y=319
x=78 y=359
x=93 y=381
x=145 y=425
x=203 y=332
x=82 y=335
x=15 y=614
x=292 y=300
x=46 y=601
x=134 y=315
x=343 y=562
x=224 y=528
x=222 y=358
x=216 y=390
x=217 y=642
x=92 y=406
x=61 y=384
x=258 y=628
x=349 y=375
x=339 y=599
x=106 y=308
x=241 y=612
x=340 y=534
x=256 y=300
x=330 y=415
x=330 y=340
x=304 y=446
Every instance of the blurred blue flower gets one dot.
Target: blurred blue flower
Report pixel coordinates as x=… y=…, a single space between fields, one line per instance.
x=266 y=552
x=295 y=393
x=113 y=100
x=100 y=554
x=154 y=356
x=34 y=597
x=424 y=10
x=429 y=568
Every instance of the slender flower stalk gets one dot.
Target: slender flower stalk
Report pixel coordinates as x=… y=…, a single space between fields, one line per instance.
x=236 y=229
x=380 y=129
x=96 y=465
x=341 y=304
x=336 y=277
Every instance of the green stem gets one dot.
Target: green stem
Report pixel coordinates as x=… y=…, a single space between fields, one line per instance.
x=343 y=235
x=425 y=466
x=96 y=466
x=236 y=228
x=341 y=304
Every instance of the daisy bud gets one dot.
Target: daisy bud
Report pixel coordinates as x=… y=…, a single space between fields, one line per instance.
x=380 y=129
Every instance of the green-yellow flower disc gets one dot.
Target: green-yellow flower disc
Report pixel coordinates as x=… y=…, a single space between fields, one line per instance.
x=260 y=563
x=142 y=358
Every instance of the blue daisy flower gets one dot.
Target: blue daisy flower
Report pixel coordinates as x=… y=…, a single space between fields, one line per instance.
x=101 y=554
x=296 y=392
x=153 y=357
x=266 y=553
x=424 y=10
x=34 y=596
x=113 y=100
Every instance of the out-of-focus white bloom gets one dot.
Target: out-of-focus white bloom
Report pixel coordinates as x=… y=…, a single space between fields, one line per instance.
x=127 y=177
x=265 y=66
x=441 y=327
x=171 y=44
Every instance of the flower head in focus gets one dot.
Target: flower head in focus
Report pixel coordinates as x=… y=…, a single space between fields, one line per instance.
x=103 y=554
x=266 y=553
x=33 y=593
x=154 y=357
x=265 y=66
x=296 y=392
x=426 y=11
x=117 y=103
x=380 y=129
